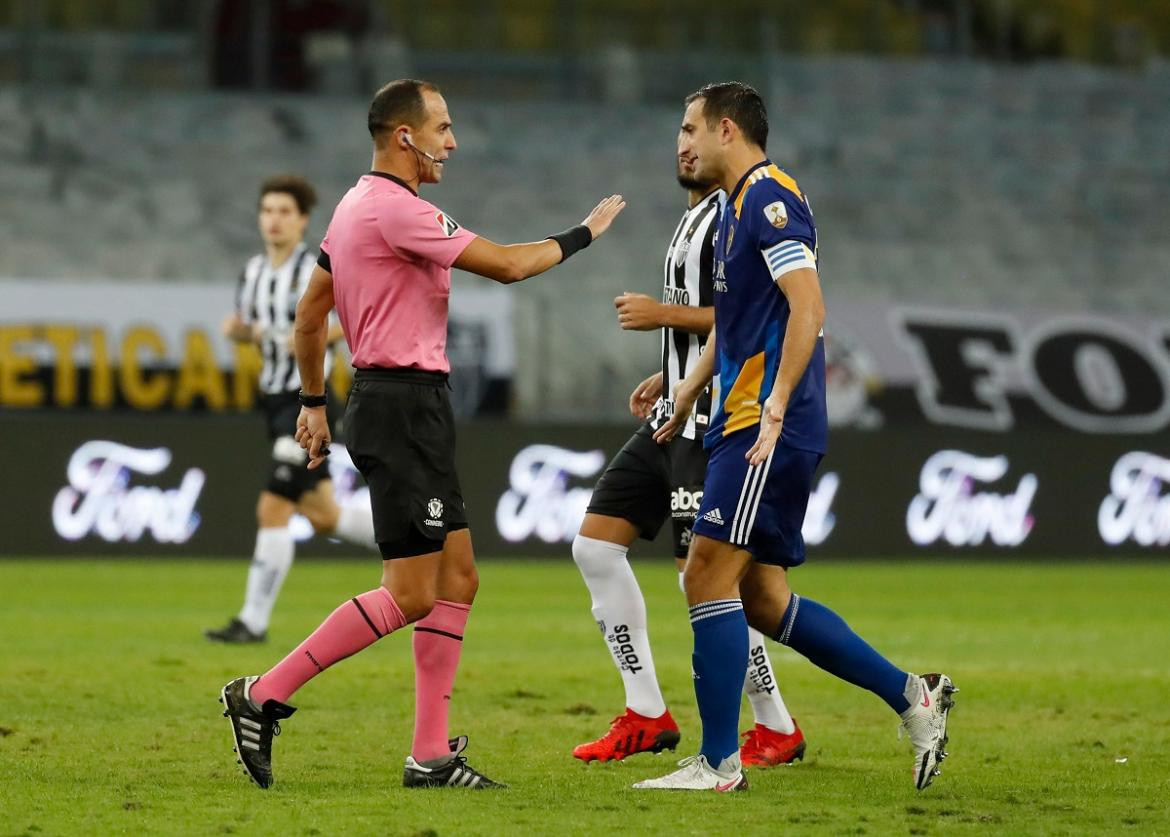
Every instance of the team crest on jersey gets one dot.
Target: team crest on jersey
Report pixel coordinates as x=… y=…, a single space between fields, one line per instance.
x=777 y=214
x=447 y=224
x=730 y=236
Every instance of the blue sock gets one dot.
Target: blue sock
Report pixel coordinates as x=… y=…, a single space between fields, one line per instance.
x=821 y=635
x=720 y=664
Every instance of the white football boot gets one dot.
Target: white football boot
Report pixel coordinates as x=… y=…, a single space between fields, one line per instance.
x=925 y=723
x=695 y=773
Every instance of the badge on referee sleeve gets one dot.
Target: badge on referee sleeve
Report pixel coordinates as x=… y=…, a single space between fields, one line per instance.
x=447 y=224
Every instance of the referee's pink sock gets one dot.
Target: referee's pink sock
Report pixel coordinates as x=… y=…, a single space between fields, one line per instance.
x=361 y=621
x=438 y=639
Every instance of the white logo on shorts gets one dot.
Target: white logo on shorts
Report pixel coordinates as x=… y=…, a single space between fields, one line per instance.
x=714 y=516
x=685 y=504
x=435 y=507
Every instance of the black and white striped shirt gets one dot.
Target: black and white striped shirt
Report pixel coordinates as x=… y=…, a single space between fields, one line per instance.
x=268 y=297
x=687 y=280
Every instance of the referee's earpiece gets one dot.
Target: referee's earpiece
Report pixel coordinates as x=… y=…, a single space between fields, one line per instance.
x=407 y=142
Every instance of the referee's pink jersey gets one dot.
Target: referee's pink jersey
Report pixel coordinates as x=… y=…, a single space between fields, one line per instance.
x=390 y=253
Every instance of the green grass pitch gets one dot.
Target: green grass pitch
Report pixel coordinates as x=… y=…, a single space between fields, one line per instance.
x=109 y=721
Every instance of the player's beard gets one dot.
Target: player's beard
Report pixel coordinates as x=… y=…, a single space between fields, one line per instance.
x=689 y=181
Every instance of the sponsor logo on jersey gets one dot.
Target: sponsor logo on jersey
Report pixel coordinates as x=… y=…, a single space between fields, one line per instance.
x=777 y=214
x=714 y=516
x=447 y=224
x=676 y=296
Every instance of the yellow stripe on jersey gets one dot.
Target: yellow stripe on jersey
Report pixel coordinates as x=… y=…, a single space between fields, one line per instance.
x=742 y=405
x=773 y=171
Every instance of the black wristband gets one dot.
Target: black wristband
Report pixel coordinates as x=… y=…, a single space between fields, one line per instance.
x=312 y=400
x=573 y=239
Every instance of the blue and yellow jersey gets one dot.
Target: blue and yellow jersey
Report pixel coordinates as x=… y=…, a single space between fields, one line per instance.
x=766 y=229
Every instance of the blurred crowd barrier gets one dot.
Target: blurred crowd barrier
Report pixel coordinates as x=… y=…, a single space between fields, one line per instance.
x=957 y=186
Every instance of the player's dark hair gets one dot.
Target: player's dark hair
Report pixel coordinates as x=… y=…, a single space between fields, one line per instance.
x=291 y=184
x=738 y=102
x=398 y=103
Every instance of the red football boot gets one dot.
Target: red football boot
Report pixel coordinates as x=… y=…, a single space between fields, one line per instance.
x=631 y=733
x=765 y=747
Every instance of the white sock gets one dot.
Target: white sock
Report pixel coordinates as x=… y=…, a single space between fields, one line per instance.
x=620 y=612
x=356 y=525
x=270 y=564
x=762 y=689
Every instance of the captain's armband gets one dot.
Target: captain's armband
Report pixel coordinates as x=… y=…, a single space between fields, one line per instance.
x=788 y=256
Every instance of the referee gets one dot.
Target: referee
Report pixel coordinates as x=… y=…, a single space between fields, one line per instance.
x=386 y=264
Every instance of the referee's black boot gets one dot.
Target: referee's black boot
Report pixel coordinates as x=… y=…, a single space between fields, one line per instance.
x=253 y=728
x=455 y=772
x=235 y=632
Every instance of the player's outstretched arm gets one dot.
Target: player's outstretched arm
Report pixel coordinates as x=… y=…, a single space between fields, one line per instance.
x=687 y=392
x=639 y=312
x=507 y=263
x=311 y=334
x=807 y=317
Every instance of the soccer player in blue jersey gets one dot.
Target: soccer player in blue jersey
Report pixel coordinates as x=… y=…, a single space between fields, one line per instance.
x=766 y=439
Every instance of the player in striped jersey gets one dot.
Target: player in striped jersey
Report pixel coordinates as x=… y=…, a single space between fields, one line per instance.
x=644 y=483
x=266 y=300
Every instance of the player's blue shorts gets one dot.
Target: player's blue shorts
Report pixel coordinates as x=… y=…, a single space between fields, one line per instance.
x=760 y=508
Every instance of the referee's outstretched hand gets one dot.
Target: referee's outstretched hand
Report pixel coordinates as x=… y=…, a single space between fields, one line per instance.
x=602 y=216
x=313 y=434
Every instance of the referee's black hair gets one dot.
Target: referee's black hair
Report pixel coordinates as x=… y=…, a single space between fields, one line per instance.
x=294 y=185
x=398 y=103
x=738 y=102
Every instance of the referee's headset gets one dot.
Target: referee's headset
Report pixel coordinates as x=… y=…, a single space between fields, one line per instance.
x=408 y=142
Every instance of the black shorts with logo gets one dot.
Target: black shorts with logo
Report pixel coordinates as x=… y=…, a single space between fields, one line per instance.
x=646 y=481
x=288 y=477
x=400 y=433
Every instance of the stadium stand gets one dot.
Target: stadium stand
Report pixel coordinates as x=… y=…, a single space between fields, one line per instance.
x=938 y=182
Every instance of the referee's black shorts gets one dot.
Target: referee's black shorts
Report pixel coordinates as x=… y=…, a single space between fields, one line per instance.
x=400 y=433
x=647 y=481
x=287 y=475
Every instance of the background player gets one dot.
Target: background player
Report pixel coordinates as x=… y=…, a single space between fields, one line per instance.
x=766 y=440
x=386 y=262
x=643 y=484
x=266 y=299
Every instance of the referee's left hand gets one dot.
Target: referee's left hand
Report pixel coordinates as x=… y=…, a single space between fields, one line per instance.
x=313 y=434
x=771 y=420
